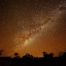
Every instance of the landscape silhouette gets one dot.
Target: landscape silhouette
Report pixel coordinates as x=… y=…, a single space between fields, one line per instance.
x=29 y=60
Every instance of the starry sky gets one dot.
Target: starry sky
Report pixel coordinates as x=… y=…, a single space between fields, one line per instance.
x=32 y=26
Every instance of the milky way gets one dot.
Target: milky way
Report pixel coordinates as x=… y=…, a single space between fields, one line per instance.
x=31 y=36
x=32 y=26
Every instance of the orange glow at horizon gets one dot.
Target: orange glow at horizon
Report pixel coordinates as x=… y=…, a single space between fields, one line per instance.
x=34 y=27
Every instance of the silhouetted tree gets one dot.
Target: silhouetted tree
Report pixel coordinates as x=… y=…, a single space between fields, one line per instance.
x=1 y=51
x=28 y=56
x=16 y=55
x=45 y=54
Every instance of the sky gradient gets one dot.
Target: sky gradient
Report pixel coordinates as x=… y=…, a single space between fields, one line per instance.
x=32 y=26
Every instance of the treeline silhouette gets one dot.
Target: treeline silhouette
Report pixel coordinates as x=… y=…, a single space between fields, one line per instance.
x=29 y=60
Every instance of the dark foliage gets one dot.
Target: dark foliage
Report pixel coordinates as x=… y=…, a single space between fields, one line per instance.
x=29 y=60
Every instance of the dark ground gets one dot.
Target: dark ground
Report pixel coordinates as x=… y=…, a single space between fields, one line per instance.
x=29 y=60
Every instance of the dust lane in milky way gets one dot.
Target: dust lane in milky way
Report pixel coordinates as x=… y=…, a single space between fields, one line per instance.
x=31 y=34
x=32 y=26
x=51 y=22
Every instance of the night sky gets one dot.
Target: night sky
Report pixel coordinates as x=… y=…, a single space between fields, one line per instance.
x=32 y=26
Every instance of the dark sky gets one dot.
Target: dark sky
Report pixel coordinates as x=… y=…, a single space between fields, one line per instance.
x=32 y=26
